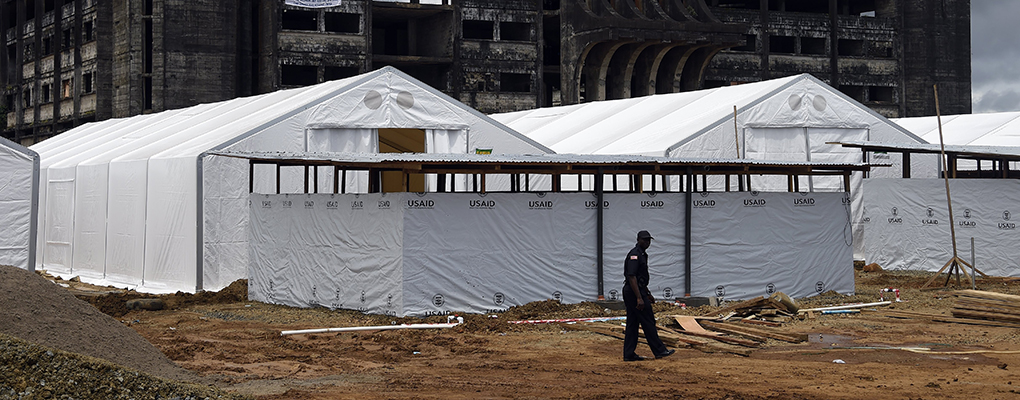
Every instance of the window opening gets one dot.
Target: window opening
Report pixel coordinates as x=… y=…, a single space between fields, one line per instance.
x=300 y=20
x=520 y=83
x=880 y=94
x=782 y=44
x=855 y=92
x=390 y=37
x=848 y=47
x=87 y=83
x=805 y=6
x=815 y=46
x=479 y=30
x=87 y=28
x=65 y=89
x=343 y=22
x=750 y=44
x=298 y=75
x=514 y=31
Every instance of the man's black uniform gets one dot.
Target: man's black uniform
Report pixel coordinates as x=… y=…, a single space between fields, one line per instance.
x=636 y=266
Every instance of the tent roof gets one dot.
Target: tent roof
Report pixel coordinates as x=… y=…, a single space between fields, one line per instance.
x=25 y=152
x=989 y=129
x=194 y=130
x=649 y=125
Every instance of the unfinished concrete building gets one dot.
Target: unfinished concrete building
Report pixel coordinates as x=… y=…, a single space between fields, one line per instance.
x=68 y=62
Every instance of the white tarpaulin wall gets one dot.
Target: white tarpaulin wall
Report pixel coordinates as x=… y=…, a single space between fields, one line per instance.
x=138 y=202
x=436 y=253
x=752 y=244
x=19 y=193
x=908 y=223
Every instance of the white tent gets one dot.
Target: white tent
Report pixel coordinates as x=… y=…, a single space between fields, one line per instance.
x=908 y=221
x=138 y=202
x=788 y=119
x=19 y=200
x=990 y=129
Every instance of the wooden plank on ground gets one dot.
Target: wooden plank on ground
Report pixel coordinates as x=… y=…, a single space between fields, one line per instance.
x=986 y=315
x=760 y=333
x=971 y=321
x=725 y=339
x=989 y=305
x=907 y=314
x=981 y=294
x=706 y=346
x=691 y=325
x=680 y=338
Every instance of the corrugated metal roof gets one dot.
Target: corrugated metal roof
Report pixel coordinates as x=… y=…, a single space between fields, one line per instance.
x=516 y=159
x=985 y=152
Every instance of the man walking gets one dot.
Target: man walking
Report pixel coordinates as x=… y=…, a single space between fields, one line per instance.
x=639 y=302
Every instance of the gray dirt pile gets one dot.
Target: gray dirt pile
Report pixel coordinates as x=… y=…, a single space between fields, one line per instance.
x=48 y=320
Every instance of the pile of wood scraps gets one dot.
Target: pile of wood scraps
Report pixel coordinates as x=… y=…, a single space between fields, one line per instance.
x=986 y=308
x=708 y=334
x=769 y=311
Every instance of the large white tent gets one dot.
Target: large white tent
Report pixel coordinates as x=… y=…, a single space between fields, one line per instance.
x=138 y=202
x=19 y=195
x=989 y=129
x=904 y=215
x=788 y=119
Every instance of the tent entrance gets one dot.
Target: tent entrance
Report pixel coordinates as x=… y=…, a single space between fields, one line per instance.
x=402 y=140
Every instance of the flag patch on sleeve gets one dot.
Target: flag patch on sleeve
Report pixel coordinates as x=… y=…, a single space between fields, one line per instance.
x=633 y=257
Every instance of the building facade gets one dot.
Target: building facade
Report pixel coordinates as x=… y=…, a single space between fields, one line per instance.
x=69 y=62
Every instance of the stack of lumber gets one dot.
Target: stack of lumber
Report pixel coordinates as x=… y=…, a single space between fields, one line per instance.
x=986 y=308
x=688 y=331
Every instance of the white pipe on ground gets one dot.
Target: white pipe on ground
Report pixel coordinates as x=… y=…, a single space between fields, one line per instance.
x=370 y=328
x=851 y=306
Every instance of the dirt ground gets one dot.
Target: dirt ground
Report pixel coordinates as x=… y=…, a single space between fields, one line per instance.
x=236 y=346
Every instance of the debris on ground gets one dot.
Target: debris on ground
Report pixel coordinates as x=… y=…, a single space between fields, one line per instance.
x=987 y=308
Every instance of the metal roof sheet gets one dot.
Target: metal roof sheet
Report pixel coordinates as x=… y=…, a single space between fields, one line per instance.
x=515 y=158
x=986 y=152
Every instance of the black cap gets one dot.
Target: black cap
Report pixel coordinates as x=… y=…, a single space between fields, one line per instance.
x=644 y=235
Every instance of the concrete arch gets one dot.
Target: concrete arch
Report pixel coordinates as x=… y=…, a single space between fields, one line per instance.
x=692 y=75
x=623 y=66
x=595 y=67
x=667 y=78
x=646 y=68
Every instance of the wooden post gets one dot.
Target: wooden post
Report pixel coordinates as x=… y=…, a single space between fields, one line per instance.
x=251 y=177
x=955 y=263
x=736 y=134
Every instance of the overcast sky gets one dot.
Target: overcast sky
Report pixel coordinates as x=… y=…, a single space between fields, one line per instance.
x=995 y=55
